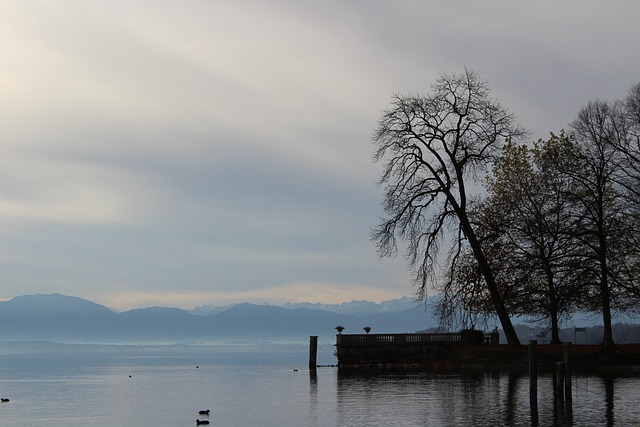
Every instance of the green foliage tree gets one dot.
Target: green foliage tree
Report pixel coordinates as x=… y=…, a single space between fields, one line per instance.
x=433 y=147
x=525 y=230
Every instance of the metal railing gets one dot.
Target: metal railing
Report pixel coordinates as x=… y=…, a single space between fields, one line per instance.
x=407 y=339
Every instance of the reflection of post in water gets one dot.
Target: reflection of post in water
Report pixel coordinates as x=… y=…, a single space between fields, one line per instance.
x=313 y=384
x=511 y=398
x=608 y=398
x=558 y=387
x=533 y=381
x=554 y=377
x=313 y=394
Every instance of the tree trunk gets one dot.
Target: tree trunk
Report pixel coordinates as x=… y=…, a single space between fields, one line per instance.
x=498 y=303
x=607 y=335
x=553 y=305
x=492 y=286
x=605 y=293
x=555 y=329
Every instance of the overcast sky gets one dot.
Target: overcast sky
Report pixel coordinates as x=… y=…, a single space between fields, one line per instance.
x=180 y=153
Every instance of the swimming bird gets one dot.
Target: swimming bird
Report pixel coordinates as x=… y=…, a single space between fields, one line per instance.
x=201 y=422
x=204 y=412
x=4 y=399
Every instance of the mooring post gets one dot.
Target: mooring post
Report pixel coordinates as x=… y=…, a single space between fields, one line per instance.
x=567 y=377
x=567 y=358
x=313 y=352
x=533 y=366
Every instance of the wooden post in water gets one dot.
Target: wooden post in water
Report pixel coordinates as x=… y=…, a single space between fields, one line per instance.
x=568 y=398
x=533 y=366
x=567 y=357
x=533 y=381
x=313 y=352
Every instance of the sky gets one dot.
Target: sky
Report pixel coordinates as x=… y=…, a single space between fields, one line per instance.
x=204 y=152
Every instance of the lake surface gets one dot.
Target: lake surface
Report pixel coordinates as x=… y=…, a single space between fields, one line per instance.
x=270 y=385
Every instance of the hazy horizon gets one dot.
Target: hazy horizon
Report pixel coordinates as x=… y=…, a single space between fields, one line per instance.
x=402 y=299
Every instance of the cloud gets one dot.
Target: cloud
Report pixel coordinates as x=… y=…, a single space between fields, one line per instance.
x=155 y=151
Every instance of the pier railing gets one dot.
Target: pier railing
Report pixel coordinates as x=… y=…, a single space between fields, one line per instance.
x=380 y=350
x=408 y=339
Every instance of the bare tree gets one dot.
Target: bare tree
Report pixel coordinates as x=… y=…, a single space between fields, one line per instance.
x=433 y=146
x=599 y=131
x=627 y=120
x=631 y=179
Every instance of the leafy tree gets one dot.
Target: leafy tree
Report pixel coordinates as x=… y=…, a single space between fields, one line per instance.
x=530 y=192
x=433 y=146
x=524 y=228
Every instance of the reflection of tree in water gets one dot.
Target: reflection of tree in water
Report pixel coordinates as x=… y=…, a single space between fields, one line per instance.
x=603 y=399
x=403 y=398
x=482 y=398
x=609 y=393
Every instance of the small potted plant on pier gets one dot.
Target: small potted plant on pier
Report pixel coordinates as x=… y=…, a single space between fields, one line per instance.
x=339 y=328
x=367 y=329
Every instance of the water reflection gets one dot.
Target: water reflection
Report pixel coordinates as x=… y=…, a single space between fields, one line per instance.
x=484 y=398
x=313 y=396
x=609 y=396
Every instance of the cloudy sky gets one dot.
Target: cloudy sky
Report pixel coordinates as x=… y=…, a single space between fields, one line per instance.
x=180 y=153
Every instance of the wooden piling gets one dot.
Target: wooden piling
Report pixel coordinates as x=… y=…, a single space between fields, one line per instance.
x=568 y=394
x=533 y=366
x=567 y=358
x=313 y=352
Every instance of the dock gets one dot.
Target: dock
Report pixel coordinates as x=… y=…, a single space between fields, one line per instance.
x=406 y=350
x=470 y=349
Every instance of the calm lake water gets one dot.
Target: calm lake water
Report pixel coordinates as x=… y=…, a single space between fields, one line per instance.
x=258 y=385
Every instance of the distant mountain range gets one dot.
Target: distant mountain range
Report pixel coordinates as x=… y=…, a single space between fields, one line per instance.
x=62 y=318
x=355 y=308
x=56 y=317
